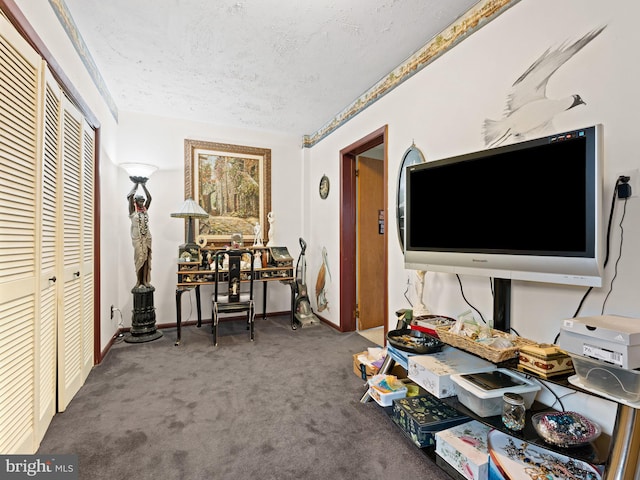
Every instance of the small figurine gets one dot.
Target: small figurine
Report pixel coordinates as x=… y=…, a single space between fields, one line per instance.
x=420 y=308
x=257 y=235
x=272 y=220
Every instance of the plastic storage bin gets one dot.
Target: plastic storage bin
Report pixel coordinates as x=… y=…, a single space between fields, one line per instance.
x=610 y=380
x=432 y=372
x=384 y=389
x=486 y=400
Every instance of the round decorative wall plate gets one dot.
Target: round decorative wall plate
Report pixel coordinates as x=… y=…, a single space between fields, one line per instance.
x=324 y=187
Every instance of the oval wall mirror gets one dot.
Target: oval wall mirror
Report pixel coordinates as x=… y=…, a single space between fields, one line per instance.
x=412 y=156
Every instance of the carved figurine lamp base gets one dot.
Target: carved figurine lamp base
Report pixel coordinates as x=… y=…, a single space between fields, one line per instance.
x=143 y=321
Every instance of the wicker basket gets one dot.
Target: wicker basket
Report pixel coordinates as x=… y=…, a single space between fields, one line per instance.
x=495 y=355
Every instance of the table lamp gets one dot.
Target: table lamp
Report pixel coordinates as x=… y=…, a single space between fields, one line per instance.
x=190 y=210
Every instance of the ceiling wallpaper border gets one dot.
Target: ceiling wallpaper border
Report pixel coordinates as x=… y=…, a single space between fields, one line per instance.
x=69 y=26
x=478 y=16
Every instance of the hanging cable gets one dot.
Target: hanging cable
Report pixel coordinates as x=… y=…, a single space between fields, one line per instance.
x=467 y=301
x=615 y=274
x=619 y=180
x=407 y=291
x=608 y=240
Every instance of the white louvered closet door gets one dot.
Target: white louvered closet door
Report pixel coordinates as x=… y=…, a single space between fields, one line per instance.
x=71 y=374
x=46 y=246
x=20 y=73
x=87 y=248
x=47 y=351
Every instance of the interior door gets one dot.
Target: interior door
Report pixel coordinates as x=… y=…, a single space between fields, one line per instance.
x=48 y=308
x=370 y=242
x=20 y=74
x=70 y=324
x=88 y=249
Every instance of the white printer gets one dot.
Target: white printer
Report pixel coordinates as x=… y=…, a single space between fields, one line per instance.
x=609 y=338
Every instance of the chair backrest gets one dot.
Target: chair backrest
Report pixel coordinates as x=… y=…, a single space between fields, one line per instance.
x=233 y=276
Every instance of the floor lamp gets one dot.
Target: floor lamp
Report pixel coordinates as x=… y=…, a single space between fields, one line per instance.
x=143 y=320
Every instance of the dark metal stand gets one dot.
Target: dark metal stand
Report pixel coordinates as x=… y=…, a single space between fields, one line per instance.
x=143 y=322
x=502 y=304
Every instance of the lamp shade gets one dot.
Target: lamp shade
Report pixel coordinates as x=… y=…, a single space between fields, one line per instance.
x=139 y=169
x=190 y=209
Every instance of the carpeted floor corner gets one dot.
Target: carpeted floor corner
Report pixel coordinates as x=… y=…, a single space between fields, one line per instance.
x=285 y=406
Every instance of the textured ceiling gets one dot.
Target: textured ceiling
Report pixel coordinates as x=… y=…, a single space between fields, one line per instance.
x=285 y=65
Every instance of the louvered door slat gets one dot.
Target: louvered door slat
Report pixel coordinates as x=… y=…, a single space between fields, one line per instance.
x=17 y=378
x=47 y=357
x=71 y=158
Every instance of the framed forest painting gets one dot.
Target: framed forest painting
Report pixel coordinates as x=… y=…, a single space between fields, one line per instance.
x=232 y=183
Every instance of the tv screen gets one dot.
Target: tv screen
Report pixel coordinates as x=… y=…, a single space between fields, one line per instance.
x=528 y=211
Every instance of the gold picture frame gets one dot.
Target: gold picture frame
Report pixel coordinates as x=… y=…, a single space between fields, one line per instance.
x=233 y=184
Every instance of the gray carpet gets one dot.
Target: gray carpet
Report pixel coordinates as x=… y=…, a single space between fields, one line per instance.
x=283 y=407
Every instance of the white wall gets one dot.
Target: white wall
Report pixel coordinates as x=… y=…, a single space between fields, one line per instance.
x=442 y=109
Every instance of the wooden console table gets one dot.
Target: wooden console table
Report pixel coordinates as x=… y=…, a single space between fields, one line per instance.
x=191 y=276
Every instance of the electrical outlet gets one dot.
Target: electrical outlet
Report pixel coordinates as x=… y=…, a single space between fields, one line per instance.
x=113 y=309
x=634 y=181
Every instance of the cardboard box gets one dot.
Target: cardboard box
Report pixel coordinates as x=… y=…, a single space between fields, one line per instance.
x=371 y=370
x=433 y=371
x=423 y=416
x=610 y=338
x=465 y=448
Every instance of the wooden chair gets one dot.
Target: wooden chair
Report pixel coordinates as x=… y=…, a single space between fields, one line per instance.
x=233 y=288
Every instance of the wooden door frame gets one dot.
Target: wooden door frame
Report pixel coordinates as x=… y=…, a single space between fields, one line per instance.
x=348 y=206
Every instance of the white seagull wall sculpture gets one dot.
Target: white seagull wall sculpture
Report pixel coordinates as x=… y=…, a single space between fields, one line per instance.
x=529 y=111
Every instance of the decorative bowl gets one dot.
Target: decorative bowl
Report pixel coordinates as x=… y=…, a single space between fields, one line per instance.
x=414 y=341
x=565 y=429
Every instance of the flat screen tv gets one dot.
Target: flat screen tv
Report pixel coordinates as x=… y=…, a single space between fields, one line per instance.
x=525 y=211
